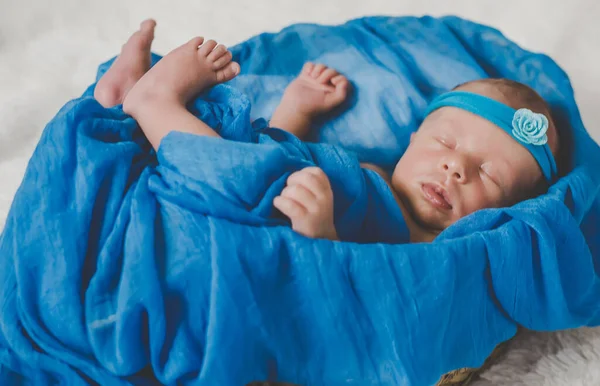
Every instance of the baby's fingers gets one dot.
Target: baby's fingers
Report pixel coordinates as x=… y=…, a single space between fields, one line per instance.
x=289 y=207
x=313 y=179
x=302 y=196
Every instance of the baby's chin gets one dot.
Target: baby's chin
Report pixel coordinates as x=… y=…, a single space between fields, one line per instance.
x=429 y=218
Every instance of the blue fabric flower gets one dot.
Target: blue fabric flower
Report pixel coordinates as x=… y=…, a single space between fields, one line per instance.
x=530 y=127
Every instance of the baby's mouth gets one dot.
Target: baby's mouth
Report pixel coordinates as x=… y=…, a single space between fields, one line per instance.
x=436 y=195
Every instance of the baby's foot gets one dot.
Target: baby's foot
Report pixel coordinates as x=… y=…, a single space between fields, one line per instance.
x=182 y=74
x=128 y=68
x=317 y=90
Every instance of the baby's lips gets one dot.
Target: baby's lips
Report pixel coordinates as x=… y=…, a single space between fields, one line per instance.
x=437 y=195
x=447 y=197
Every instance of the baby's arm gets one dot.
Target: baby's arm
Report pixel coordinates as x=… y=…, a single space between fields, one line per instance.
x=377 y=170
x=308 y=201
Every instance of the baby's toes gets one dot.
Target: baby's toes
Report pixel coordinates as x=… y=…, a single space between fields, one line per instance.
x=223 y=61
x=342 y=85
x=196 y=42
x=148 y=25
x=229 y=72
x=327 y=75
x=215 y=54
x=307 y=69
x=317 y=70
x=220 y=57
x=207 y=48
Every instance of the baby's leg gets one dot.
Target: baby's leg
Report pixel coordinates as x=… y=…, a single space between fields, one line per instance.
x=158 y=100
x=128 y=68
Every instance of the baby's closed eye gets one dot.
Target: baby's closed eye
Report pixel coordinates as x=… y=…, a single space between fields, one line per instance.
x=488 y=171
x=447 y=142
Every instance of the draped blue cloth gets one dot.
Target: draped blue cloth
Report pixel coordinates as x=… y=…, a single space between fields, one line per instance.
x=125 y=266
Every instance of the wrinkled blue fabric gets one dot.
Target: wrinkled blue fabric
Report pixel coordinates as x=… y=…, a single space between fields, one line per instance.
x=121 y=266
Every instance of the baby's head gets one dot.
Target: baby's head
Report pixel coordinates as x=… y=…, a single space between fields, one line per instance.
x=459 y=162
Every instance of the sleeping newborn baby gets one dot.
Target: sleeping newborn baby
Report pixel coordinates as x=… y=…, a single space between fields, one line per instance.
x=488 y=143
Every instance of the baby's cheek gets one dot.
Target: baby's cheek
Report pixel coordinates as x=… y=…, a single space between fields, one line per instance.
x=476 y=201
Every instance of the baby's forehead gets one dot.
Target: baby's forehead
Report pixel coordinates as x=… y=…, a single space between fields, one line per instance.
x=479 y=137
x=453 y=120
x=470 y=131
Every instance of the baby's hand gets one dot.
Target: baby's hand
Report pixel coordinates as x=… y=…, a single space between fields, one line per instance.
x=308 y=201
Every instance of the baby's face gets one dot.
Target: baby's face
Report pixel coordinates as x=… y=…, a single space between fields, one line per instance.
x=457 y=163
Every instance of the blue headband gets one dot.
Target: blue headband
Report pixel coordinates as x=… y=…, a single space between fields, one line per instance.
x=526 y=127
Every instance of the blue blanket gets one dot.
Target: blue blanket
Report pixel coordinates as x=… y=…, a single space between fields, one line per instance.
x=122 y=266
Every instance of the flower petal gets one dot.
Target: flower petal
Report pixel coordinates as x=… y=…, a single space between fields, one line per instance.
x=530 y=127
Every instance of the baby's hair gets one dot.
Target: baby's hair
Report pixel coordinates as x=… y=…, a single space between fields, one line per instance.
x=518 y=95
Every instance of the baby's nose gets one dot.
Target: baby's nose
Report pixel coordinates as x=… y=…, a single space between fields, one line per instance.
x=456 y=170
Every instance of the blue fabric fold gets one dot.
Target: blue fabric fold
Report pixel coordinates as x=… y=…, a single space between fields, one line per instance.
x=125 y=266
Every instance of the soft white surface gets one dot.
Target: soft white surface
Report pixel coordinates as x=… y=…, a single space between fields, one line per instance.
x=49 y=52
